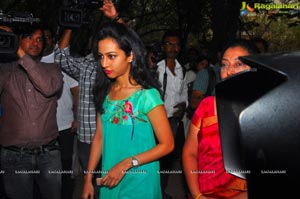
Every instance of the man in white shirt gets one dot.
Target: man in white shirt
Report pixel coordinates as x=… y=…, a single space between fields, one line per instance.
x=172 y=74
x=175 y=90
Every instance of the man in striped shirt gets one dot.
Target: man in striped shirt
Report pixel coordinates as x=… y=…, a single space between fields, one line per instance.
x=83 y=69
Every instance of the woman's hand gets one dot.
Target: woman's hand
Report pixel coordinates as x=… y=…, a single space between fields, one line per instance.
x=88 y=188
x=242 y=195
x=115 y=174
x=206 y=197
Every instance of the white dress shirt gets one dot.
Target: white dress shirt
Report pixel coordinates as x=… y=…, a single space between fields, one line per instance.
x=176 y=89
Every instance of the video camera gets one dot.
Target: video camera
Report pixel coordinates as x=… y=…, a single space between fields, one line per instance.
x=78 y=13
x=8 y=40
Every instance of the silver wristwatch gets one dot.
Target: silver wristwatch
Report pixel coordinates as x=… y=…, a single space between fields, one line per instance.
x=134 y=161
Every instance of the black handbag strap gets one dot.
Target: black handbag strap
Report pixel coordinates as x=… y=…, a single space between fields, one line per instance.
x=165 y=82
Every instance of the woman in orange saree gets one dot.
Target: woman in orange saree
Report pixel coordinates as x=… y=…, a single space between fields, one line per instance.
x=202 y=154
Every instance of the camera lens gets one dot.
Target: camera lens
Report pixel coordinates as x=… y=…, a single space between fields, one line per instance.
x=8 y=42
x=5 y=41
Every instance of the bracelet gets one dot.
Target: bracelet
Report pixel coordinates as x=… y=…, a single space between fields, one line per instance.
x=116 y=19
x=198 y=196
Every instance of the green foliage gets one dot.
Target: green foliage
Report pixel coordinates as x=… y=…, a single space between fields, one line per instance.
x=151 y=18
x=281 y=31
x=289 y=41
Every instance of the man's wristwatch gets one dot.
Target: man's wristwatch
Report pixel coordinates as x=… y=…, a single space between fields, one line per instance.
x=134 y=161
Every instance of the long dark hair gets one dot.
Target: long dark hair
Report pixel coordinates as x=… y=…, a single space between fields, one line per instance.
x=129 y=41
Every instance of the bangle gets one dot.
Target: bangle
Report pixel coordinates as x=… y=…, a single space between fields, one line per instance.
x=198 y=196
x=116 y=19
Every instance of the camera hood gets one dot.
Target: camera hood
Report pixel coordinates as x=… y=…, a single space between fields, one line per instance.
x=258 y=112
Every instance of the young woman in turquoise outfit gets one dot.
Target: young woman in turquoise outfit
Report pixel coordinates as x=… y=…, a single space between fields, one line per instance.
x=132 y=127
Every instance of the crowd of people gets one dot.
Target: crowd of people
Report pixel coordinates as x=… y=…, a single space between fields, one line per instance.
x=121 y=107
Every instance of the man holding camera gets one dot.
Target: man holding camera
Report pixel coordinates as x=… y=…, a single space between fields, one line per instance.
x=28 y=135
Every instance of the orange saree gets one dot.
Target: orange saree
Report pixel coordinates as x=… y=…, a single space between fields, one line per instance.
x=214 y=181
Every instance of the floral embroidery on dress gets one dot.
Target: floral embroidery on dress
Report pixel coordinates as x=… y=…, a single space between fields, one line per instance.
x=125 y=111
x=115 y=120
x=128 y=107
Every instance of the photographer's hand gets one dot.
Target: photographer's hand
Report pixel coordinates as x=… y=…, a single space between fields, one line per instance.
x=5 y=28
x=109 y=10
x=20 y=52
x=65 y=39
